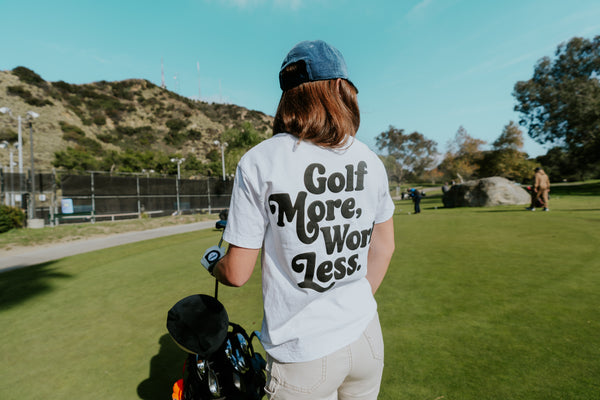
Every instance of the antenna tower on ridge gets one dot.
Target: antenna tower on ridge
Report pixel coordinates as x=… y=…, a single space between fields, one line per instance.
x=162 y=74
x=198 y=66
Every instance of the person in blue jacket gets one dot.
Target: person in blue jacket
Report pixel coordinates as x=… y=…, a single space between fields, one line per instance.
x=416 y=198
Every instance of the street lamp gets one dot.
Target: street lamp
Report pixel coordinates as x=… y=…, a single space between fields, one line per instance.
x=10 y=199
x=178 y=161
x=222 y=145
x=30 y=116
x=6 y=110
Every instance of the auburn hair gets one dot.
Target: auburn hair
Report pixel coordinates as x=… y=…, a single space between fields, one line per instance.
x=323 y=112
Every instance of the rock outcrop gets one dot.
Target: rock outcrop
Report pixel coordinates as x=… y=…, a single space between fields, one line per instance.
x=486 y=192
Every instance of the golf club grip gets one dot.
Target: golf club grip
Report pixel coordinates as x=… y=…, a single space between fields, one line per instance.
x=216 y=289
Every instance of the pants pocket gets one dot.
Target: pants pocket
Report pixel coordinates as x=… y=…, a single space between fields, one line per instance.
x=302 y=377
x=375 y=338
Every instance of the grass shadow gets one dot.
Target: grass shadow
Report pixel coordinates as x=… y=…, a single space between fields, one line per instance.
x=22 y=284
x=166 y=368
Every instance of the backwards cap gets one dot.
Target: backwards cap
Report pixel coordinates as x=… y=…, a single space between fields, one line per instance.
x=319 y=61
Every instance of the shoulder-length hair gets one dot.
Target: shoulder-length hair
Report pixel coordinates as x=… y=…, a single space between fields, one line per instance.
x=323 y=112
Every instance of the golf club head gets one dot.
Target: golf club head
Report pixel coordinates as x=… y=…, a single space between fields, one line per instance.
x=213 y=384
x=200 y=367
x=243 y=343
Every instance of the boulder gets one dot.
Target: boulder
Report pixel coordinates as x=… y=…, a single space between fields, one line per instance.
x=486 y=192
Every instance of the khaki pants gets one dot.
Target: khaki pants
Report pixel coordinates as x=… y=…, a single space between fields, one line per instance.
x=353 y=372
x=543 y=195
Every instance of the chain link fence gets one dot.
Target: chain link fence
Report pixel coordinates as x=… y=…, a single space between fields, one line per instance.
x=63 y=197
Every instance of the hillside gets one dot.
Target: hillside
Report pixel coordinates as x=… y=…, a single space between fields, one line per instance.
x=103 y=122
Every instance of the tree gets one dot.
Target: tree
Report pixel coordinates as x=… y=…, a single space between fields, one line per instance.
x=393 y=169
x=413 y=153
x=462 y=158
x=511 y=138
x=559 y=166
x=506 y=158
x=561 y=102
x=239 y=140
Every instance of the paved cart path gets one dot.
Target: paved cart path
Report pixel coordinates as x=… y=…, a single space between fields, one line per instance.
x=40 y=254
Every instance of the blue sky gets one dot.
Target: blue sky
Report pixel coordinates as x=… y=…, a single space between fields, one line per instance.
x=421 y=65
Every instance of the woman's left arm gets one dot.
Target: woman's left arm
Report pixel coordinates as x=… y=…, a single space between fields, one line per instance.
x=380 y=253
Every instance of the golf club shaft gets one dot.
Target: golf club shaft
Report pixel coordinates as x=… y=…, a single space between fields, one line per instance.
x=216 y=280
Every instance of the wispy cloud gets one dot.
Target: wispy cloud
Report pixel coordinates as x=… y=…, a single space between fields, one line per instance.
x=529 y=57
x=419 y=8
x=248 y=4
x=243 y=3
x=421 y=5
x=292 y=4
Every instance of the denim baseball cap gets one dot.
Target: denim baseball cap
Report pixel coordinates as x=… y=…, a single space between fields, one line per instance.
x=320 y=62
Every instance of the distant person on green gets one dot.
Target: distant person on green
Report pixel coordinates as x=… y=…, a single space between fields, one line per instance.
x=541 y=188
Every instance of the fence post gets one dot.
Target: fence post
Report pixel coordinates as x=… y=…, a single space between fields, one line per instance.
x=137 y=182
x=53 y=197
x=177 y=188
x=93 y=199
x=2 y=186
x=208 y=192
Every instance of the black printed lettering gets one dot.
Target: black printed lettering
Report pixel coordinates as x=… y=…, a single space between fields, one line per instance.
x=324 y=271
x=308 y=179
x=352 y=263
x=336 y=182
x=280 y=203
x=322 y=275
x=306 y=263
x=335 y=240
x=340 y=268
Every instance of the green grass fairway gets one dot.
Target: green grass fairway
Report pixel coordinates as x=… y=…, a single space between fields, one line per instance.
x=479 y=303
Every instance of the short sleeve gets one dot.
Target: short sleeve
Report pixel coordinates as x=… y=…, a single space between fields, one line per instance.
x=247 y=219
x=385 y=207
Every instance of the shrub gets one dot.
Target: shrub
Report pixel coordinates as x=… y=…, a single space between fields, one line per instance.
x=9 y=135
x=75 y=159
x=99 y=119
x=194 y=134
x=68 y=128
x=19 y=91
x=174 y=138
x=28 y=76
x=37 y=102
x=11 y=218
x=65 y=87
x=176 y=124
x=74 y=100
x=122 y=90
x=27 y=96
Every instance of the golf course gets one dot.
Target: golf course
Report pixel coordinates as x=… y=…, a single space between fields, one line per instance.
x=478 y=303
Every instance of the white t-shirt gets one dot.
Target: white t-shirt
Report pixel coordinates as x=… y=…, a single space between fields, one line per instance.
x=312 y=211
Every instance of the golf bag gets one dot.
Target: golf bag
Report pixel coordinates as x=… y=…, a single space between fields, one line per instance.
x=535 y=202
x=233 y=372
x=221 y=362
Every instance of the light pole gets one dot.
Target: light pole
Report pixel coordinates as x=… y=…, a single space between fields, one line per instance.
x=10 y=199
x=6 y=110
x=30 y=116
x=222 y=145
x=178 y=161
